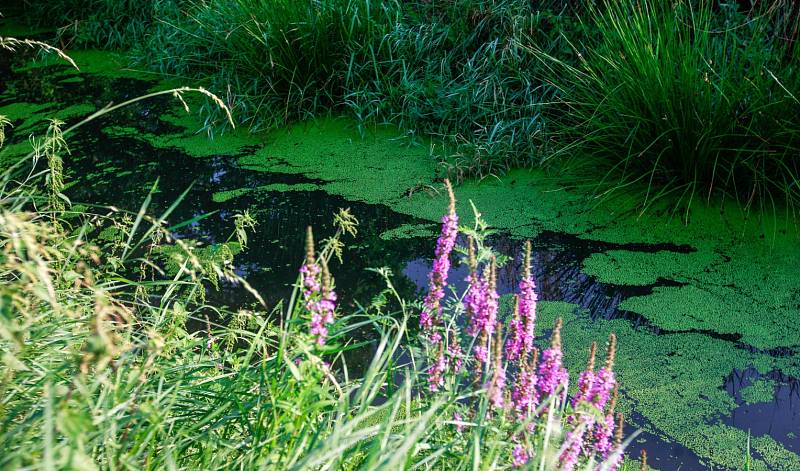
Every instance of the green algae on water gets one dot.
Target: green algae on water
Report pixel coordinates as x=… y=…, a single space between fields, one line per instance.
x=410 y=231
x=674 y=381
x=624 y=267
x=761 y=390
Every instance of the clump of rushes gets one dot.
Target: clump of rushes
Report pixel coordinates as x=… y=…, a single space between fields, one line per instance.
x=685 y=99
x=378 y=61
x=318 y=294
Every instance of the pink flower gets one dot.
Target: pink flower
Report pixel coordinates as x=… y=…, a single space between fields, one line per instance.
x=552 y=373
x=454 y=353
x=322 y=315
x=318 y=296
x=310 y=273
x=519 y=456
x=497 y=386
x=573 y=445
x=474 y=302
x=457 y=418
x=614 y=457
x=436 y=372
x=514 y=343
x=605 y=380
x=437 y=278
x=527 y=311
x=481 y=353
x=601 y=389
x=586 y=380
x=527 y=302
x=602 y=436
x=524 y=394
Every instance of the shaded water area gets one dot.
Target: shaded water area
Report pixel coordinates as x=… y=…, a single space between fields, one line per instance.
x=118 y=170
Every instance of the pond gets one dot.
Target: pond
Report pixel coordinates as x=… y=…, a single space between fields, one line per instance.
x=698 y=379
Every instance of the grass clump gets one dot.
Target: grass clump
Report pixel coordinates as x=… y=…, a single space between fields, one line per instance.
x=685 y=98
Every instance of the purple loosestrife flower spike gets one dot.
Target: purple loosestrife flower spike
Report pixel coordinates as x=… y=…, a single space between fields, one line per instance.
x=323 y=309
x=604 y=379
x=436 y=371
x=615 y=460
x=319 y=298
x=573 y=445
x=473 y=293
x=552 y=373
x=454 y=352
x=475 y=303
x=604 y=430
x=458 y=418
x=491 y=300
x=437 y=279
x=498 y=384
x=481 y=352
x=482 y=302
x=527 y=303
x=310 y=270
x=524 y=395
x=515 y=338
x=586 y=380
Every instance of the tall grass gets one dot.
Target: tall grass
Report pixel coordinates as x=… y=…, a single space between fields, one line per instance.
x=685 y=98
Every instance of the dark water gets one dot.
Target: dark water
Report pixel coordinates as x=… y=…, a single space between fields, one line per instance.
x=120 y=170
x=778 y=418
